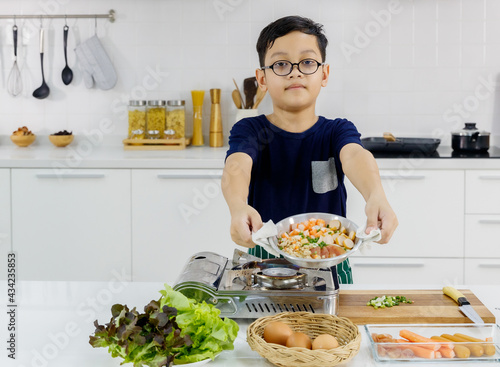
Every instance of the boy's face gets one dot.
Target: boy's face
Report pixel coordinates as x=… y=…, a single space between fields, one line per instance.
x=295 y=91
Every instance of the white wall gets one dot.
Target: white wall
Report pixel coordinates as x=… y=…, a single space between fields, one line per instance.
x=407 y=76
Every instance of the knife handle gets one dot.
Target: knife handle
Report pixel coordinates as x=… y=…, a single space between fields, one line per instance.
x=456 y=295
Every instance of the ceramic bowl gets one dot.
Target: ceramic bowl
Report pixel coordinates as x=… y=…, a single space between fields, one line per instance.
x=61 y=140
x=23 y=140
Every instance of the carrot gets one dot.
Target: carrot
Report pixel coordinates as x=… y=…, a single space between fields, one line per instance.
x=415 y=338
x=475 y=349
x=489 y=349
x=419 y=351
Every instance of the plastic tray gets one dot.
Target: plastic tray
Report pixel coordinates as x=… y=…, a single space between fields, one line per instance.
x=401 y=145
x=382 y=351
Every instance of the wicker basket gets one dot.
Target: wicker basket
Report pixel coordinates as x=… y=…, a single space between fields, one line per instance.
x=312 y=324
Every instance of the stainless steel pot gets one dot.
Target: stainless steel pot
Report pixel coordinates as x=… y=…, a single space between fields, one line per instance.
x=470 y=139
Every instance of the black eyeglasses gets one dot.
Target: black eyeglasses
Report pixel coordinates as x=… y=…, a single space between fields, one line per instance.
x=284 y=67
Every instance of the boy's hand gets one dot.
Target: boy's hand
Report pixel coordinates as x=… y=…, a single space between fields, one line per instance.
x=379 y=214
x=244 y=221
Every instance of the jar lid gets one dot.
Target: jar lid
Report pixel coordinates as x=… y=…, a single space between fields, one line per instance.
x=136 y=103
x=156 y=103
x=176 y=102
x=469 y=130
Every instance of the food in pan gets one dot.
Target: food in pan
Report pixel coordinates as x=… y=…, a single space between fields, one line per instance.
x=316 y=239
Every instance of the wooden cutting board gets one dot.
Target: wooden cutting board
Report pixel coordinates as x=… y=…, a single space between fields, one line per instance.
x=429 y=306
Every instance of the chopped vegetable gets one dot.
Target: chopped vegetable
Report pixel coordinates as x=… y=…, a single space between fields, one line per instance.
x=315 y=239
x=173 y=329
x=387 y=301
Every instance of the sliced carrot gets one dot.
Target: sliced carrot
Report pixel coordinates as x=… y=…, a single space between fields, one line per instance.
x=418 y=350
x=415 y=338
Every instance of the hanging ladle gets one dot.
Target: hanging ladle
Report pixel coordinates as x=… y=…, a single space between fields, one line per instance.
x=15 y=85
x=42 y=91
x=67 y=73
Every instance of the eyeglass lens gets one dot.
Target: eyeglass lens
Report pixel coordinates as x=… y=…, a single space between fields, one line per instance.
x=307 y=66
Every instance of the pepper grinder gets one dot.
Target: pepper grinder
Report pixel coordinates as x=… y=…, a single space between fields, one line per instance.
x=197 y=96
x=215 y=119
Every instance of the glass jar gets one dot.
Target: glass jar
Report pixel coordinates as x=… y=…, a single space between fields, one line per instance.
x=136 y=119
x=155 y=119
x=176 y=119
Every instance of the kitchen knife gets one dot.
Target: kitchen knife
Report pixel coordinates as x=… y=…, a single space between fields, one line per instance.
x=463 y=304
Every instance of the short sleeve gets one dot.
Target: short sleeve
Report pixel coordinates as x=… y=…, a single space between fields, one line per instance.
x=243 y=139
x=345 y=133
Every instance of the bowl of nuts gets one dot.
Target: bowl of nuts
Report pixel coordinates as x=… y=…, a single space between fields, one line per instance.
x=61 y=138
x=23 y=137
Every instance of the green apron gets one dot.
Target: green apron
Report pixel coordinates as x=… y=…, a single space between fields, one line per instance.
x=344 y=273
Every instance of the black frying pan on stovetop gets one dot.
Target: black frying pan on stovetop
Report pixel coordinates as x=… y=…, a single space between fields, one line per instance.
x=390 y=144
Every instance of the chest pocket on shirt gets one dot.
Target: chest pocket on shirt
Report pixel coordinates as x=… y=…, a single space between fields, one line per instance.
x=324 y=176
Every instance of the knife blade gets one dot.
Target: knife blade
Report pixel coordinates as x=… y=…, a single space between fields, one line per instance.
x=463 y=304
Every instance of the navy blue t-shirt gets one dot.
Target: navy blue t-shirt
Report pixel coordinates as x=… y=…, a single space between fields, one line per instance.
x=294 y=173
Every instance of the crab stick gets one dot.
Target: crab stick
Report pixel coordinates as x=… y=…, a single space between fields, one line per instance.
x=416 y=338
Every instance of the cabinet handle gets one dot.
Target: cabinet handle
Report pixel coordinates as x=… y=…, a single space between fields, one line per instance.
x=399 y=177
x=489 y=177
x=70 y=175
x=494 y=266
x=489 y=221
x=180 y=175
x=400 y=265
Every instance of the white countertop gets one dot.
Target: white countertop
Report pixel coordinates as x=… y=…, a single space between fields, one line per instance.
x=55 y=319
x=94 y=152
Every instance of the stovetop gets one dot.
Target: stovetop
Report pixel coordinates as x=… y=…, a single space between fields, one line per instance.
x=442 y=152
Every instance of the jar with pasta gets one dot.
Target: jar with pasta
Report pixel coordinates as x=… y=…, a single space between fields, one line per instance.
x=136 y=119
x=176 y=119
x=155 y=119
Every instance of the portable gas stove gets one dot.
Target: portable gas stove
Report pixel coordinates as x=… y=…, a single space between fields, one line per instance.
x=252 y=289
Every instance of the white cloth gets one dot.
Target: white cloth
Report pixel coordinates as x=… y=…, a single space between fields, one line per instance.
x=367 y=239
x=261 y=237
x=95 y=64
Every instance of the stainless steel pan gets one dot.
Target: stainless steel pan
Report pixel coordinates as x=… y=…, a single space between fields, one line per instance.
x=284 y=226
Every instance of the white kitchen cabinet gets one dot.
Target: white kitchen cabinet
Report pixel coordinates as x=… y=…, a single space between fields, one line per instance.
x=175 y=214
x=430 y=209
x=483 y=192
x=72 y=226
x=5 y=237
x=482 y=271
x=482 y=235
x=407 y=271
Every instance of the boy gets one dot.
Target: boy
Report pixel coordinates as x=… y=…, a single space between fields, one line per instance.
x=292 y=161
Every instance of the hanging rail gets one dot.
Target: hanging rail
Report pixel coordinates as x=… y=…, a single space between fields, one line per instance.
x=110 y=16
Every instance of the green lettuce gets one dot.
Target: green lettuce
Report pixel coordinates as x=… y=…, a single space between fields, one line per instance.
x=209 y=334
x=173 y=329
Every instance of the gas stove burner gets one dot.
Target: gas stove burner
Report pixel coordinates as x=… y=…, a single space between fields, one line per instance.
x=268 y=264
x=279 y=272
x=274 y=281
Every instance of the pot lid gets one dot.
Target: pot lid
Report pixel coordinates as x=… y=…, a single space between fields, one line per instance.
x=469 y=130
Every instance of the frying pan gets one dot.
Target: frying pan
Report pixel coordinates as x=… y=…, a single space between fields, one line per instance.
x=284 y=226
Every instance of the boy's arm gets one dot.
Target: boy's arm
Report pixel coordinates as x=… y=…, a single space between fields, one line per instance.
x=235 y=184
x=361 y=168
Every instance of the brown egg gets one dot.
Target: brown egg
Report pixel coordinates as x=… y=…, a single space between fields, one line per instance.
x=325 y=341
x=277 y=332
x=300 y=340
